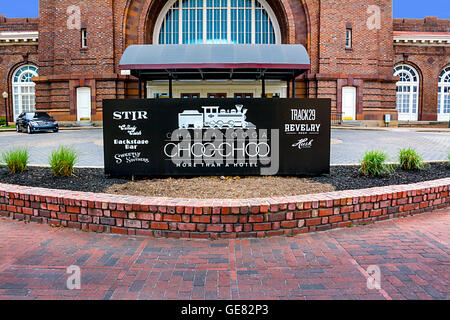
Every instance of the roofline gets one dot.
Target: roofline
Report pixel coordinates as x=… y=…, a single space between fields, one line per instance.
x=214 y=66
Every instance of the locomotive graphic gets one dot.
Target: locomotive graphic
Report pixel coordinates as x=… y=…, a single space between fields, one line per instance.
x=212 y=117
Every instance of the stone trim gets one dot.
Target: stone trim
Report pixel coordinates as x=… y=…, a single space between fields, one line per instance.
x=421 y=38
x=221 y=218
x=30 y=37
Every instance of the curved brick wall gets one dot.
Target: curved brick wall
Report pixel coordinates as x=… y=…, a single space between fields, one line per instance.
x=189 y=218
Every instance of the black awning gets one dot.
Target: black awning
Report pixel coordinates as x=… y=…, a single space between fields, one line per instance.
x=215 y=61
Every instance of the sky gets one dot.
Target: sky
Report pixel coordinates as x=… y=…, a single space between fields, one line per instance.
x=402 y=8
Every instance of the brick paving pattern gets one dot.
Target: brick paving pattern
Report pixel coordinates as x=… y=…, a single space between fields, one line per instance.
x=348 y=146
x=412 y=253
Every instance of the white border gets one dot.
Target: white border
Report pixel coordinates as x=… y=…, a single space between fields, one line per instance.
x=408 y=116
x=20 y=85
x=441 y=116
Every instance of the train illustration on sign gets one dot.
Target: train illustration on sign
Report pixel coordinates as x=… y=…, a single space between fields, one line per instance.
x=212 y=117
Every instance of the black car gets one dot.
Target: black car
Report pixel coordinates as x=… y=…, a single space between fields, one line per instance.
x=36 y=121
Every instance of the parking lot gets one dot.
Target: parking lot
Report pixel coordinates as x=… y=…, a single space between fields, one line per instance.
x=348 y=146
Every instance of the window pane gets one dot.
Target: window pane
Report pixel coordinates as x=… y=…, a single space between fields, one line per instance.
x=224 y=28
x=216 y=23
x=447 y=103
x=24 y=89
x=439 y=103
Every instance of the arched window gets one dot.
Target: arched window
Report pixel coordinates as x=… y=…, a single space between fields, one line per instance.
x=23 y=89
x=407 y=92
x=443 y=109
x=217 y=21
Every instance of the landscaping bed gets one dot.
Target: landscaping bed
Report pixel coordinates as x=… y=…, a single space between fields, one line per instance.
x=341 y=178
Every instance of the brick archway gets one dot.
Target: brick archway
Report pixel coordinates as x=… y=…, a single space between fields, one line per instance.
x=12 y=70
x=418 y=69
x=141 y=15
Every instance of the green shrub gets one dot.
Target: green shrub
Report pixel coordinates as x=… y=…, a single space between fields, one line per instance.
x=62 y=161
x=373 y=164
x=16 y=160
x=410 y=160
x=2 y=121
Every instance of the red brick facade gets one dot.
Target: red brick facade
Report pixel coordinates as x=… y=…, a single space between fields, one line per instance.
x=428 y=59
x=15 y=54
x=320 y=26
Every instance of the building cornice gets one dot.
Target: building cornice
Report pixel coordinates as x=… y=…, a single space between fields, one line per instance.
x=22 y=37
x=421 y=38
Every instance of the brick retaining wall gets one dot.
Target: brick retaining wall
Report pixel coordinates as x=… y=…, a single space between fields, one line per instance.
x=191 y=218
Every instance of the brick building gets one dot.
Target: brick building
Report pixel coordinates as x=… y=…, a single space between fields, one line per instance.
x=368 y=63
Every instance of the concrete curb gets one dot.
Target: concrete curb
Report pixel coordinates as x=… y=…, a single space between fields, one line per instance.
x=60 y=128
x=399 y=129
x=394 y=129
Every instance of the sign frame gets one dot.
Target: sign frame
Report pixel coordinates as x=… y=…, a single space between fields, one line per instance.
x=279 y=136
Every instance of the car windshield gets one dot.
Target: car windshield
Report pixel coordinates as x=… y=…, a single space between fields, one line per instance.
x=36 y=115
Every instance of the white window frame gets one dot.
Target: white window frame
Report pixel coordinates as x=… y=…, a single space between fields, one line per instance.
x=410 y=99
x=348 y=38
x=444 y=97
x=23 y=92
x=84 y=44
x=272 y=18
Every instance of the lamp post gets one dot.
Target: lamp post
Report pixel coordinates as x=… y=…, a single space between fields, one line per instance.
x=5 y=96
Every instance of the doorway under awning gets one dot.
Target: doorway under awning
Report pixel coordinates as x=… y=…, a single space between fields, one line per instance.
x=215 y=62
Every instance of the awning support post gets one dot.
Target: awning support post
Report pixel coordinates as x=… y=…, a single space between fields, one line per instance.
x=170 y=87
x=144 y=94
x=293 y=87
x=263 y=87
x=288 y=89
x=140 y=87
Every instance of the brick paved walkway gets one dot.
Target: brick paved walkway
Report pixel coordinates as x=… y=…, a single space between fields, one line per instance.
x=413 y=254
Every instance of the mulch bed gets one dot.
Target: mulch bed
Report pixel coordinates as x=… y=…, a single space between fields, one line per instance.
x=341 y=178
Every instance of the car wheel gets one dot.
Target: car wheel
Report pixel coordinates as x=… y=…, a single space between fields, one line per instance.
x=29 y=131
x=56 y=130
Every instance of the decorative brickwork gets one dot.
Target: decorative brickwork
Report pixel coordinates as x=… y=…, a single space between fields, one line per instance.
x=190 y=218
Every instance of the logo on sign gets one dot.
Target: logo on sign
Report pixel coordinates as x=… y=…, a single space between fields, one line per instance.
x=131 y=130
x=304 y=143
x=130 y=115
x=220 y=138
x=212 y=118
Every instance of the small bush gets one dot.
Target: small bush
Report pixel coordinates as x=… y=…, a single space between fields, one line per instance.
x=16 y=160
x=2 y=121
x=373 y=164
x=62 y=161
x=410 y=160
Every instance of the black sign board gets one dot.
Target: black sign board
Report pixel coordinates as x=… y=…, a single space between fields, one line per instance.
x=194 y=137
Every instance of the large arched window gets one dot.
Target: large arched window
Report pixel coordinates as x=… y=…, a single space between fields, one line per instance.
x=217 y=21
x=443 y=109
x=23 y=89
x=407 y=92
